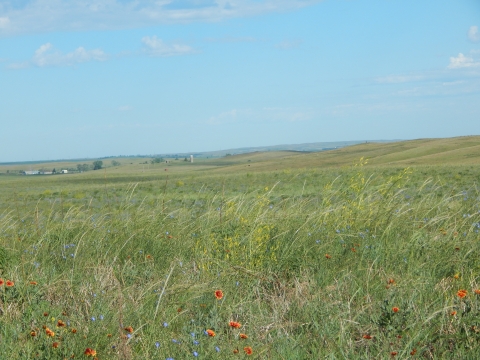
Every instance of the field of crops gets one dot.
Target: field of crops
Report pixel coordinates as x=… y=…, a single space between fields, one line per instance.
x=356 y=262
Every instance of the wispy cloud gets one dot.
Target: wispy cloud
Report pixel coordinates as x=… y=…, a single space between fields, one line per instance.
x=232 y=39
x=4 y=22
x=47 y=55
x=157 y=47
x=397 y=79
x=473 y=34
x=266 y=114
x=462 y=61
x=33 y=16
x=288 y=44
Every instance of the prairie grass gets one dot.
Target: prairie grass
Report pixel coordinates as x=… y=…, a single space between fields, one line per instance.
x=353 y=263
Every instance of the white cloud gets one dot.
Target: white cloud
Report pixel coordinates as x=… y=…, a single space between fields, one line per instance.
x=473 y=33
x=462 y=61
x=4 y=22
x=33 y=16
x=157 y=47
x=46 y=55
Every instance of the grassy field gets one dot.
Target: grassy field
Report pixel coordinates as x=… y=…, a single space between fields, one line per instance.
x=358 y=260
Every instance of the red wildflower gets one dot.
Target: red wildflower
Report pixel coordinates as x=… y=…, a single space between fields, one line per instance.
x=235 y=324
x=235 y=351
x=462 y=293
x=328 y=256
x=9 y=283
x=211 y=333
x=248 y=350
x=243 y=336
x=219 y=294
x=1 y=282
x=368 y=337
x=394 y=353
x=60 y=323
x=477 y=291
x=129 y=329
x=33 y=333
x=395 y=309
x=33 y=283
x=49 y=332
x=413 y=352
x=453 y=313
x=391 y=281
x=74 y=331
x=90 y=352
x=55 y=345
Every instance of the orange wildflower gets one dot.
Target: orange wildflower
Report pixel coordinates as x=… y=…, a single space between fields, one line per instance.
x=243 y=336
x=477 y=291
x=74 y=331
x=149 y=256
x=1 y=282
x=90 y=352
x=248 y=350
x=395 y=309
x=219 y=294
x=391 y=281
x=109 y=335
x=353 y=249
x=462 y=293
x=60 y=323
x=129 y=329
x=45 y=314
x=55 y=345
x=413 y=352
x=328 y=256
x=33 y=283
x=235 y=351
x=33 y=333
x=9 y=283
x=211 y=333
x=235 y=324
x=368 y=337
x=49 y=332
x=453 y=313
x=394 y=353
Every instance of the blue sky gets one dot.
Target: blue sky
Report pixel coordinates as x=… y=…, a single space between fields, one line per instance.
x=92 y=78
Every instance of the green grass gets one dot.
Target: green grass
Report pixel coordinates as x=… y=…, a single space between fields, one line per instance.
x=310 y=262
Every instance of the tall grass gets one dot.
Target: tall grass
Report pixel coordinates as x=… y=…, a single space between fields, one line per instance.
x=307 y=273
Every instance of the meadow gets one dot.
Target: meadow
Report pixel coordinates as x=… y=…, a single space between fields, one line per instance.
x=222 y=260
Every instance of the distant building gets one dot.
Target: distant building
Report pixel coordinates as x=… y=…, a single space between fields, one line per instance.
x=46 y=172
x=191 y=158
x=31 y=172
x=64 y=171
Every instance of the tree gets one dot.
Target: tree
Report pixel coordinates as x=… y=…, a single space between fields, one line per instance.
x=115 y=163
x=157 y=160
x=97 y=164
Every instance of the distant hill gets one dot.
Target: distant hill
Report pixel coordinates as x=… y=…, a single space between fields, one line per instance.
x=450 y=151
x=306 y=147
